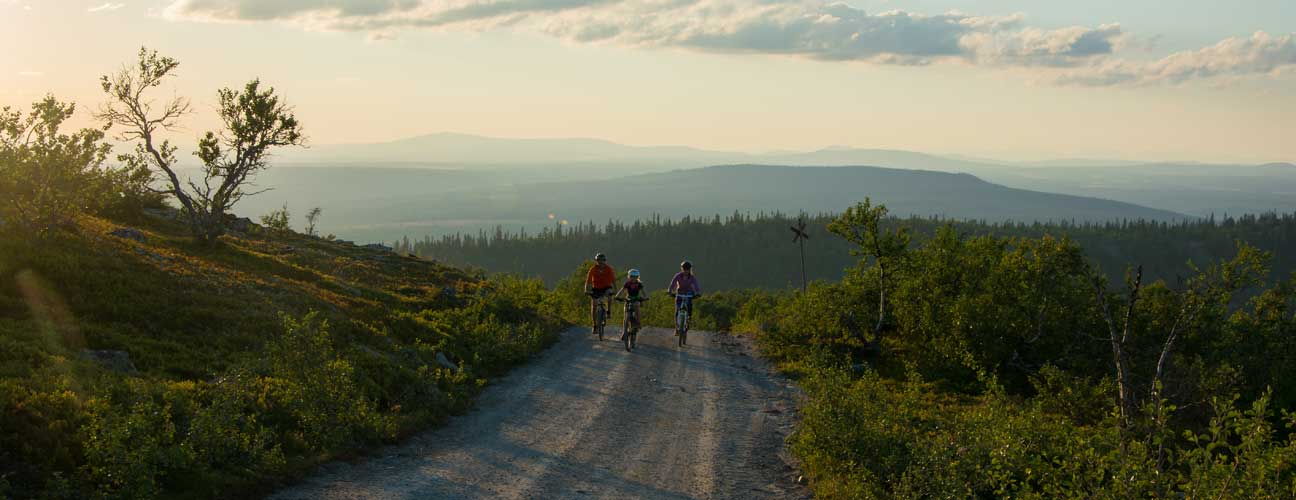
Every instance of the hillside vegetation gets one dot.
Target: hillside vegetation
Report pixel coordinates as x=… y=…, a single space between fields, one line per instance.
x=150 y=352
x=161 y=367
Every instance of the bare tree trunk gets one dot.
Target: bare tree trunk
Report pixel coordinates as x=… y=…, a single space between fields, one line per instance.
x=882 y=286
x=1185 y=319
x=882 y=282
x=1124 y=392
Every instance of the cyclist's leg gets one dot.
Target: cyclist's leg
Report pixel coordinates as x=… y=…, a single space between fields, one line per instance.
x=593 y=314
x=679 y=303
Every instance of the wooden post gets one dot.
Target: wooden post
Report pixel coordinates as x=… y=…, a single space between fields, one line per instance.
x=799 y=237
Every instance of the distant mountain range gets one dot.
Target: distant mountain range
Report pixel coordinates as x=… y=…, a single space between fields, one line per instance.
x=463 y=149
x=1191 y=188
x=373 y=204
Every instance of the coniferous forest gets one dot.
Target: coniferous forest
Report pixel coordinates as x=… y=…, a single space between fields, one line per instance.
x=756 y=251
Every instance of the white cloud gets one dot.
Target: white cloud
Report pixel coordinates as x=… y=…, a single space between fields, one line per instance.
x=1260 y=54
x=814 y=29
x=109 y=6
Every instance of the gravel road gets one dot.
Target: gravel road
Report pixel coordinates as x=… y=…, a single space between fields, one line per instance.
x=587 y=419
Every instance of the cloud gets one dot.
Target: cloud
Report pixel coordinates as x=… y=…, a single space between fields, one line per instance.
x=107 y=7
x=813 y=29
x=1260 y=54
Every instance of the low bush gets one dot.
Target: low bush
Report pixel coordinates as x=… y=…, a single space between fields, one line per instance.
x=251 y=366
x=992 y=375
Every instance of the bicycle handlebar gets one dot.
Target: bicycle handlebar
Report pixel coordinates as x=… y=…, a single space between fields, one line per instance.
x=635 y=299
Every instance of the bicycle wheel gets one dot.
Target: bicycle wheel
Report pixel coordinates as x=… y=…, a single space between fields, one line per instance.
x=625 y=333
x=602 y=320
x=681 y=327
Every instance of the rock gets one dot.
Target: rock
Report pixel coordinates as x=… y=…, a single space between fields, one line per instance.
x=127 y=233
x=241 y=225
x=162 y=213
x=117 y=361
x=159 y=258
x=441 y=359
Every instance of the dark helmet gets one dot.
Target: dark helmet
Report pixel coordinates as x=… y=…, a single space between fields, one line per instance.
x=686 y=265
x=600 y=258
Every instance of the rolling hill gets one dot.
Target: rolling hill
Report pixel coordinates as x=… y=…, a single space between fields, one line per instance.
x=1184 y=187
x=721 y=190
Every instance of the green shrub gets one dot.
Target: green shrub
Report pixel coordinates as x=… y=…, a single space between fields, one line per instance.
x=48 y=177
x=277 y=220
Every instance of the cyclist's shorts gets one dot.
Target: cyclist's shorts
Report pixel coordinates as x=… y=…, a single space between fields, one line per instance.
x=599 y=292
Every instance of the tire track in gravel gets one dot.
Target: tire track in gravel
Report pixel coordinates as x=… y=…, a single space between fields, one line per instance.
x=588 y=420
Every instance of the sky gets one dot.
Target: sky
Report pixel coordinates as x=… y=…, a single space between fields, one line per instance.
x=1198 y=80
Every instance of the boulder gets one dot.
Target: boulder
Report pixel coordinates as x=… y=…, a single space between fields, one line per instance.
x=443 y=361
x=127 y=233
x=241 y=225
x=166 y=213
x=117 y=361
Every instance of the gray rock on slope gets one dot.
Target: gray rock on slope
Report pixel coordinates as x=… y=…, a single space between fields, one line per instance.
x=127 y=233
x=117 y=361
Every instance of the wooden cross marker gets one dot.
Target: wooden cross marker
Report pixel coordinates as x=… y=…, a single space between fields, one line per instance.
x=800 y=237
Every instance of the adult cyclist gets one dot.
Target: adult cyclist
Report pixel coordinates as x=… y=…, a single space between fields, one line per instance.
x=684 y=283
x=598 y=283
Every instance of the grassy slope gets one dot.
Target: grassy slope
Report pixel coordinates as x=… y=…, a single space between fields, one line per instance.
x=187 y=315
x=183 y=311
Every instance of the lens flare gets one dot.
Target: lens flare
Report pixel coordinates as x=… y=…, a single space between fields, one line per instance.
x=51 y=313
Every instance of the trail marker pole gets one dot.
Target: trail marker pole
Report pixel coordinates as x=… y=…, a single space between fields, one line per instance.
x=800 y=237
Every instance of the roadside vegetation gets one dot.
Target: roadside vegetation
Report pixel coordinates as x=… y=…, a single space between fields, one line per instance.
x=1011 y=367
x=152 y=352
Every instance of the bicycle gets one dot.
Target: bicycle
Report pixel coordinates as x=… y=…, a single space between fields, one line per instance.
x=629 y=336
x=600 y=313
x=682 y=316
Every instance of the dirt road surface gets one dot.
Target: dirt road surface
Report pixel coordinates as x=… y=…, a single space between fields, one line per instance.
x=587 y=419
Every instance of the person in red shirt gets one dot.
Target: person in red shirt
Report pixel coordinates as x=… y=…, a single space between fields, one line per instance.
x=598 y=284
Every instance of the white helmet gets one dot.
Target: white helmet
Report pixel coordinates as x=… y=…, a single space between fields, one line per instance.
x=634 y=273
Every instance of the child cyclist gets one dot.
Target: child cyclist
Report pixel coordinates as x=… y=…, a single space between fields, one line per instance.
x=634 y=292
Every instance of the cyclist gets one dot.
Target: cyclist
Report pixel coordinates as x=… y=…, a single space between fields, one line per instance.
x=684 y=283
x=598 y=283
x=633 y=290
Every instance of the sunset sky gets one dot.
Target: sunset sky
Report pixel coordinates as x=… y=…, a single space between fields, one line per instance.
x=1197 y=80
